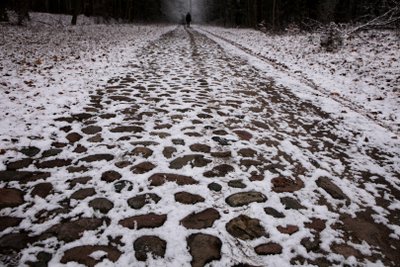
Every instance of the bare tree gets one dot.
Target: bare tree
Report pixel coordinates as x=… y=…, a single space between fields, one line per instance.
x=22 y=9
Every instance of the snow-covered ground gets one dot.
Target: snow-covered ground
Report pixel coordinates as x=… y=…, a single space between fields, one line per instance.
x=48 y=67
x=184 y=106
x=364 y=73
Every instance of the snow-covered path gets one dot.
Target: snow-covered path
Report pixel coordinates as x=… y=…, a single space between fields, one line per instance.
x=197 y=157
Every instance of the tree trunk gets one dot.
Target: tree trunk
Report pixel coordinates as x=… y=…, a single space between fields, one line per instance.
x=22 y=9
x=75 y=11
x=273 y=15
x=3 y=12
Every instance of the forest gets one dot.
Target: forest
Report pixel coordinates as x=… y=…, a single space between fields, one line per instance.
x=272 y=14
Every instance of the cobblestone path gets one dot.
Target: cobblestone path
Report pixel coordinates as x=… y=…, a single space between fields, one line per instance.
x=193 y=157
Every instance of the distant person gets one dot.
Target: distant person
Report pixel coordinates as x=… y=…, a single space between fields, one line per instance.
x=188 y=19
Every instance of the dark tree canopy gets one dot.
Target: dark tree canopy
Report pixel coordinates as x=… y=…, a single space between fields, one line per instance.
x=275 y=14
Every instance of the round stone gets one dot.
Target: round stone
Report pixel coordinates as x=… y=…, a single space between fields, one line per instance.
x=110 y=176
x=204 y=248
x=215 y=187
x=245 y=198
x=245 y=228
x=268 y=249
x=101 y=204
x=10 y=197
x=203 y=219
x=149 y=245
x=123 y=185
x=187 y=198
x=140 y=201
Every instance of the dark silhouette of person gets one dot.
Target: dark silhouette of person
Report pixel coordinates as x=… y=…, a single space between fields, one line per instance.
x=188 y=19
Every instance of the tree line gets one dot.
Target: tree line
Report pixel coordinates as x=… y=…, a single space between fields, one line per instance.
x=278 y=14
x=126 y=10
x=273 y=14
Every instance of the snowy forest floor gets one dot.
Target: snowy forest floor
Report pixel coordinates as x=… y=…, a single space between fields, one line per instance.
x=122 y=141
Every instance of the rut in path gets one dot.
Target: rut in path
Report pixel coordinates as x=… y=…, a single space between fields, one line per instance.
x=194 y=157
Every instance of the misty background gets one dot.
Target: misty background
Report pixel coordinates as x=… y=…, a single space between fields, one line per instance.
x=175 y=10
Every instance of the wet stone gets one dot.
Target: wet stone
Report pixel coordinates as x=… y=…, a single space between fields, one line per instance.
x=42 y=260
x=83 y=193
x=96 y=139
x=204 y=116
x=204 y=248
x=8 y=221
x=220 y=132
x=291 y=203
x=53 y=163
x=332 y=189
x=123 y=185
x=30 y=151
x=346 y=250
x=59 y=144
x=19 y=164
x=282 y=185
x=256 y=177
x=221 y=141
x=82 y=116
x=42 y=190
x=169 y=151
x=75 y=169
x=150 y=220
x=107 y=116
x=80 y=149
x=245 y=198
x=123 y=164
x=22 y=176
x=142 y=151
x=159 y=179
x=193 y=160
x=249 y=163
x=110 y=176
x=247 y=152
x=72 y=230
x=140 y=201
x=143 y=167
x=203 y=219
x=243 y=135
x=97 y=157
x=10 y=197
x=73 y=137
x=288 y=229
x=219 y=171
x=268 y=249
x=187 y=198
x=274 y=213
x=149 y=245
x=215 y=187
x=178 y=142
x=245 y=228
x=66 y=129
x=83 y=255
x=162 y=135
x=121 y=98
x=311 y=244
x=101 y=204
x=163 y=126
x=316 y=224
x=237 y=184
x=145 y=143
x=200 y=148
x=127 y=129
x=223 y=154
x=14 y=241
x=51 y=152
